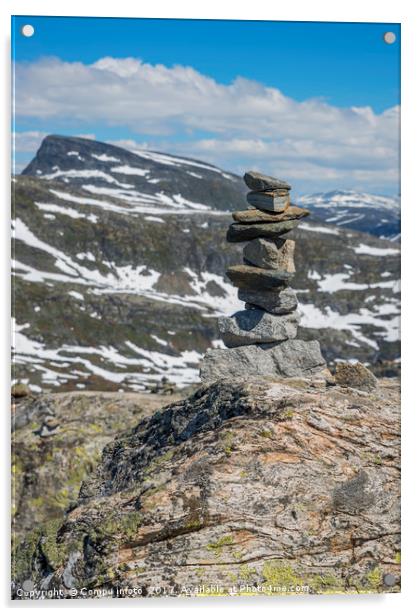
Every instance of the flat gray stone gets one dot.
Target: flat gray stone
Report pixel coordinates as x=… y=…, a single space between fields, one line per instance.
x=240 y=232
x=257 y=327
x=271 y=201
x=259 y=181
x=292 y=358
x=271 y=254
x=254 y=215
x=249 y=277
x=276 y=301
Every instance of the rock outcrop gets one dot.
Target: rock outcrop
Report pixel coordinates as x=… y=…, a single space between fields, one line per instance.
x=247 y=487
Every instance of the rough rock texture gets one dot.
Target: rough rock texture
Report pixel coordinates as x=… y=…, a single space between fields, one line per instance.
x=255 y=278
x=257 y=327
x=258 y=181
x=271 y=254
x=279 y=484
x=355 y=375
x=240 y=232
x=57 y=440
x=276 y=301
x=255 y=215
x=287 y=359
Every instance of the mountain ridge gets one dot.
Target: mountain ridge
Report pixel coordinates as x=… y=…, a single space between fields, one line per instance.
x=75 y=159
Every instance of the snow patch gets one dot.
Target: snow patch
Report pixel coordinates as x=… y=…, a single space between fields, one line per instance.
x=127 y=170
x=66 y=211
x=104 y=158
x=363 y=249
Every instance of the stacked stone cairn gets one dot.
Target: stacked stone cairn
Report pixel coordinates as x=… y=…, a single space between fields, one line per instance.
x=261 y=339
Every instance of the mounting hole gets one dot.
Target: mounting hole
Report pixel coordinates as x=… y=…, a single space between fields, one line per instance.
x=389 y=37
x=28 y=30
x=389 y=579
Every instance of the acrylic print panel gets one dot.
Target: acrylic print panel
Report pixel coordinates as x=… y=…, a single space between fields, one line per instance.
x=205 y=404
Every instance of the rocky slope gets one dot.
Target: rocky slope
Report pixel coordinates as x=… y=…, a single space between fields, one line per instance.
x=256 y=487
x=116 y=287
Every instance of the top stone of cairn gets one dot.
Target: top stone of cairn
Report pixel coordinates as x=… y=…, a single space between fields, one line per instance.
x=259 y=181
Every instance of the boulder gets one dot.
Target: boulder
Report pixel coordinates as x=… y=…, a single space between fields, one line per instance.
x=355 y=375
x=266 y=485
x=271 y=254
x=257 y=327
x=292 y=358
x=276 y=301
x=20 y=390
x=240 y=232
x=258 y=181
x=257 y=278
x=256 y=215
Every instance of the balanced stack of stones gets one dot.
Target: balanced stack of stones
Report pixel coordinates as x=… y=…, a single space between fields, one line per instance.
x=261 y=339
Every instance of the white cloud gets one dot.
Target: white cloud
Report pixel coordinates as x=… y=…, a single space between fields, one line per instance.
x=27 y=141
x=248 y=123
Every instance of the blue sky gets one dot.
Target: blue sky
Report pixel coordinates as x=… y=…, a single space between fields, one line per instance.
x=327 y=93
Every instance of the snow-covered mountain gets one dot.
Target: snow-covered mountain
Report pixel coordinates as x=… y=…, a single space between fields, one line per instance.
x=353 y=210
x=152 y=182
x=118 y=279
x=146 y=182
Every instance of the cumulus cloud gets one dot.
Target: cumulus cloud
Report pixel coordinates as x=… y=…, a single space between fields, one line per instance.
x=244 y=123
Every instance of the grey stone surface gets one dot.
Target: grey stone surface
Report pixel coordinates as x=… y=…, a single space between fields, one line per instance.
x=254 y=215
x=270 y=201
x=276 y=301
x=292 y=358
x=257 y=327
x=249 y=277
x=258 y=181
x=239 y=232
x=271 y=254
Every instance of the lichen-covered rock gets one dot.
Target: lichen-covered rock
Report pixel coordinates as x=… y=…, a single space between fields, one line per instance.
x=257 y=327
x=291 y=358
x=57 y=440
x=355 y=375
x=246 y=483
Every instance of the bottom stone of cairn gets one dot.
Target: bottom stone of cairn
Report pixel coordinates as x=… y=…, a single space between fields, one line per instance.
x=292 y=358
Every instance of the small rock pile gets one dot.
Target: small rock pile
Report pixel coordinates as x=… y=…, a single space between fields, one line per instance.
x=261 y=339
